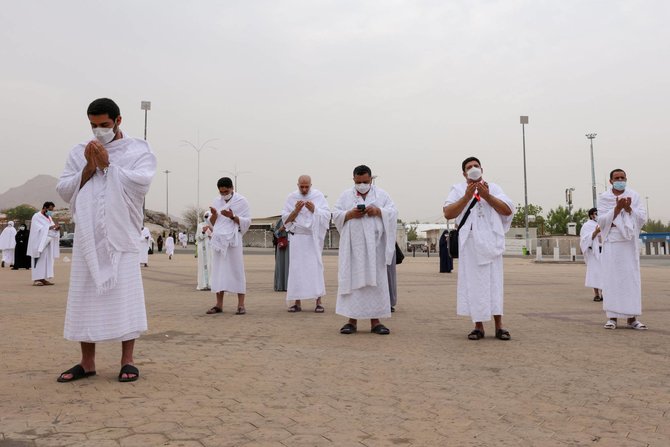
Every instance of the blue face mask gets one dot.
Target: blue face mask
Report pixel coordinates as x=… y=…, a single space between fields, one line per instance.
x=619 y=185
x=49 y=213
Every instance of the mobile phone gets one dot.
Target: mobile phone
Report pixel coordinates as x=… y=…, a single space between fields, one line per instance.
x=361 y=207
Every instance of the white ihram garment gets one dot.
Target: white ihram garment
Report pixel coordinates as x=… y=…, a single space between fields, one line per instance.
x=204 y=255
x=106 y=297
x=306 y=235
x=8 y=243
x=227 y=261
x=481 y=244
x=169 y=246
x=591 y=250
x=620 y=258
x=42 y=246
x=367 y=246
x=145 y=244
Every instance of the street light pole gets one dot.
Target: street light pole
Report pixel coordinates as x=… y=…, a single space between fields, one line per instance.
x=568 y=201
x=235 y=174
x=198 y=147
x=167 y=196
x=647 y=200
x=591 y=136
x=146 y=106
x=524 y=120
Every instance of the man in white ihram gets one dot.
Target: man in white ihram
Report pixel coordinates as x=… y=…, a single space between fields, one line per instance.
x=183 y=239
x=203 y=235
x=589 y=242
x=8 y=244
x=621 y=215
x=306 y=216
x=105 y=181
x=481 y=242
x=366 y=218
x=43 y=245
x=230 y=219
x=145 y=244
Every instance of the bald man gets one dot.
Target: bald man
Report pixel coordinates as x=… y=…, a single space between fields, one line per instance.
x=306 y=217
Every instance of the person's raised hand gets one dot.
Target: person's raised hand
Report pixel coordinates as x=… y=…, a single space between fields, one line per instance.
x=484 y=191
x=470 y=190
x=310 y=206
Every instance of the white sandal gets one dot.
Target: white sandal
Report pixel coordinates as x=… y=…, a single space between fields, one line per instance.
x=611 y=324
x=638 y=326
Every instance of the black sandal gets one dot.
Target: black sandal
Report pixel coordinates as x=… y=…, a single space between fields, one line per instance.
x=476 y=334
x=214 y=310
x=380 y=329
x=241 y=311
x=294 y=308
x=77 y=372
x=348 y=329
x=127 y=370
x=503 y=334
x=319 y=309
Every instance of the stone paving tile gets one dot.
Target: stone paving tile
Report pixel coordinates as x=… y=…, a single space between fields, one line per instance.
x=147 y=439
x=60 y=439
x=279 y=379
x=98 y=443
x=108 y=433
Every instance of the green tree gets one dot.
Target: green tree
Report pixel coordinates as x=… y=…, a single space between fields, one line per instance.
x=411 y=233
x=656 y=226
x=20 y=213
x=519 y=219
x=557 y=220
x=580 y=216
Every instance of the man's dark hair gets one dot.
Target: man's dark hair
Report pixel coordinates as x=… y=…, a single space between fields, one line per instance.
x=362 y=170
x=468 y=160
x=224 y=182
x=616 y=170
x=593 y=211
x=48 y=205
x=102 y=106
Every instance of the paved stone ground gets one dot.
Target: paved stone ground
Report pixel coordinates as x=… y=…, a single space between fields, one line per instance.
x=271 y=378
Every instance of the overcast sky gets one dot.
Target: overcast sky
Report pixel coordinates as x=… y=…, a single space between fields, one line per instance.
x=409 y=88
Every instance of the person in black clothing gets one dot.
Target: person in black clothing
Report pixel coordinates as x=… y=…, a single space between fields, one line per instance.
x=21 y=259
x=446 y=261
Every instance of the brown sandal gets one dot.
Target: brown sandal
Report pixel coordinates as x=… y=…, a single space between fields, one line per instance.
x=214 y=310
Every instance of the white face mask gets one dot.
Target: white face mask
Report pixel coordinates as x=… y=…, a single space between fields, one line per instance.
x=104 y=134
x=227 y=197
x=474 y=173
x=362 y=188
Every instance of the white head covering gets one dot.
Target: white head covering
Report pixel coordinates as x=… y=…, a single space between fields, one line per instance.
x=10 y=223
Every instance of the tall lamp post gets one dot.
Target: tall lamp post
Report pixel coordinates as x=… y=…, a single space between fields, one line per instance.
x=198 y=147
x=167 y=196
x=235 y=174
x=146 y=106
x=591 y=136
x=524 y=120
x=568 y=201
x=647 y=200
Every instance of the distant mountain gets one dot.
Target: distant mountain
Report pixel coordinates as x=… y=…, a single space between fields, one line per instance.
x=34 y=192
